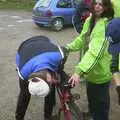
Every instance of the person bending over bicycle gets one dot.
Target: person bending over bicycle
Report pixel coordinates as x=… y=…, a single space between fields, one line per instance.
x=39 y=62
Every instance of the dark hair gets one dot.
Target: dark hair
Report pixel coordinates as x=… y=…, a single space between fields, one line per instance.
x=41 y=74
x=108 y=12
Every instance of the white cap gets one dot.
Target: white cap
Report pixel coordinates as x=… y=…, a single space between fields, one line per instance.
x=39 y=87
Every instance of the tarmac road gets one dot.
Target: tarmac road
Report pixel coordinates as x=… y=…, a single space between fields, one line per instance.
x=15 y=27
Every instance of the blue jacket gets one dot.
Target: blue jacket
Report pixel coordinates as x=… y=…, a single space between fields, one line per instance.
x=35 y=54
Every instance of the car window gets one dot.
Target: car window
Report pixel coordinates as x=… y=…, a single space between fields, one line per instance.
x=76 y=2
x=64 y=4
x=42 y=3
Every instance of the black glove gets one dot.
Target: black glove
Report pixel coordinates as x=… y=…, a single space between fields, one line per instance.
x=66 y=53
x=118 y=92
x=65 y=50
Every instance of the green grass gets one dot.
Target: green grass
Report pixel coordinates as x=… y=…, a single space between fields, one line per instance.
x=16 y=5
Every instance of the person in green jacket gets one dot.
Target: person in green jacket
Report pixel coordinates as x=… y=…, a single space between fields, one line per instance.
x=95 y=62
x=113 y=36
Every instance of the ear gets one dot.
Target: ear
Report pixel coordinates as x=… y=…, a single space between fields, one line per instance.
x=35 y=80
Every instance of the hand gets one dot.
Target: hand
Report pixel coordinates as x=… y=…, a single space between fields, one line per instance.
x=118 y=92
x=116 y=78
x=74 y=80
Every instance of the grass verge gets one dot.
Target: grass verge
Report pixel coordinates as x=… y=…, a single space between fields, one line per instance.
x=16 y=5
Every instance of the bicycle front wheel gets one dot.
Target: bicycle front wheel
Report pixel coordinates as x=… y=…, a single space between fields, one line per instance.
x=72 y=114
x=75 y=111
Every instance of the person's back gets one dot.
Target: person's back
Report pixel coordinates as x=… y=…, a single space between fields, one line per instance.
x=33 y=55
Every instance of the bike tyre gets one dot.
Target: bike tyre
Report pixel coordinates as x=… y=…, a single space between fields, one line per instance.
x=60 y=115
x=75 y=111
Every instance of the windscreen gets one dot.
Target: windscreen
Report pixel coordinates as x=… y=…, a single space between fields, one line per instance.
x=76 y=2
x=42 y=3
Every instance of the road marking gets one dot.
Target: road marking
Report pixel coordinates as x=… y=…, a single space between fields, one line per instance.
x=3 y=15
x=2 y=29
x=11 y=25
x=16 y=17
x=24 y=20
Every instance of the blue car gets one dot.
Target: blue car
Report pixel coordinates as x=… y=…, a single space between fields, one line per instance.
x=54 y=13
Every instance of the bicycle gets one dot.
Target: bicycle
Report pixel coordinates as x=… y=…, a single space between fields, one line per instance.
x=68 y=109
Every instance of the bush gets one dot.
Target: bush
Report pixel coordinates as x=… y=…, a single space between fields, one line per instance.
x=17 y=4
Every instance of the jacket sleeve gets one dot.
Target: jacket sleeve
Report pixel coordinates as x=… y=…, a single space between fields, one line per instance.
x=77 y=44
x=95 y=51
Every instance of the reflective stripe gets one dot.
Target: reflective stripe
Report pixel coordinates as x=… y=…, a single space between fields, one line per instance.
x=98 y=57
x=19 y=74
x=62 y=54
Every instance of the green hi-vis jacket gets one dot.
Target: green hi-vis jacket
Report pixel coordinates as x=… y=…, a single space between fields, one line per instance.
x=95 y=64
x=116 y=6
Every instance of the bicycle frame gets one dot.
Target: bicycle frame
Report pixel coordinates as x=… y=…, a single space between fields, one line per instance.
x=67 y=105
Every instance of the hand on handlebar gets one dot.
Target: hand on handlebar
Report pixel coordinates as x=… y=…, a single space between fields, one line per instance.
x=74 y=79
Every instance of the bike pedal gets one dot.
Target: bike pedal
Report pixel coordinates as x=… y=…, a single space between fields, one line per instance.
x=76 y=96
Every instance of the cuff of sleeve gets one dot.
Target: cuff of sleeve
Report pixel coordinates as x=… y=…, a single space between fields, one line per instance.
x=68 y=48
x=80 y=72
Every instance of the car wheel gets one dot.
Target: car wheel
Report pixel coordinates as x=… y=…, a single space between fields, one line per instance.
x=57 y=24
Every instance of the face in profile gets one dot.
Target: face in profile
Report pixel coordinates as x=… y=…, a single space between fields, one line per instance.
x=98 y=7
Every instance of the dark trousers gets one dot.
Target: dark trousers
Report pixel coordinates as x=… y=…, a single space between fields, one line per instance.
x=98 y=100
x=24 y=98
